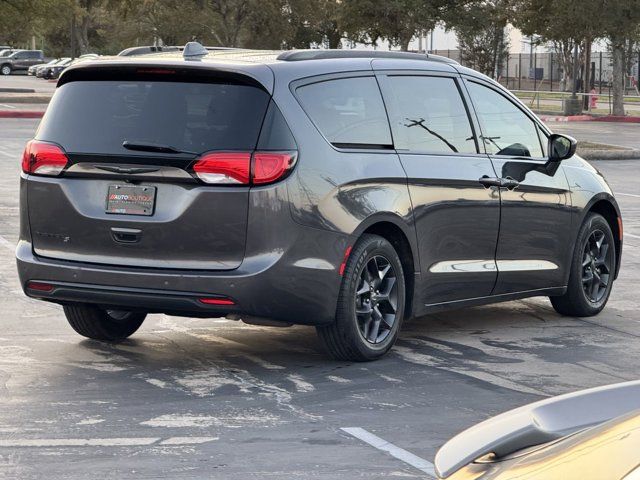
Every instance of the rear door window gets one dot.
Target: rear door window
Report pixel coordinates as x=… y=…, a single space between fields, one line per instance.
x=348 y=111
x=98 y=116
x=428 y=115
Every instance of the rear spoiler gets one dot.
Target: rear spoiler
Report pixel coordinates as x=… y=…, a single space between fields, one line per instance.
x=537 y=423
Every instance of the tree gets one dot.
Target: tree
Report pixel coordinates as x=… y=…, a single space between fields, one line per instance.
x=480 y=27
x=563 y=23
x=621 y=24
x=16 y=26
x=396 y=21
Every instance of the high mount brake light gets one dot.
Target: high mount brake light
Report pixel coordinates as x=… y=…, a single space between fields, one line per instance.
x=243 y=168
x=43 y=158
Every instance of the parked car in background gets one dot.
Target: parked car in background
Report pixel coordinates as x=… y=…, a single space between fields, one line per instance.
x=46 y=71
x=343 y=189
x=20 y=61
x=56 y=70
x=144 y=50
x=588 y=435
x=33 y=68
x=6 y=50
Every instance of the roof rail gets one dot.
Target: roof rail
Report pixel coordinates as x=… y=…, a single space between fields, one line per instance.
x=317 y=54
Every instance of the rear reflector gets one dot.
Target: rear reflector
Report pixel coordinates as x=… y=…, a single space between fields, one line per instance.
x=39 y=286
x=43 y=158
x=270 y=166
x=217 y=301
x=224 y=167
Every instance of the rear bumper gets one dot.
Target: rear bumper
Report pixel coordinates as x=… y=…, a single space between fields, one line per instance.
x=295 y=286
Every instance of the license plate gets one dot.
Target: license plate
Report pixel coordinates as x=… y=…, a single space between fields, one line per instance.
x=131 y=200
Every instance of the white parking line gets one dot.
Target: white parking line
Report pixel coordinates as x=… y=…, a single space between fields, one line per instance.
x=102 y=442
x=632 y=236
x=376 y=442
x=628 y=195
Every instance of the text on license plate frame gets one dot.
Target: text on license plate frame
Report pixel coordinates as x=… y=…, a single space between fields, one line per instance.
x=131 y=200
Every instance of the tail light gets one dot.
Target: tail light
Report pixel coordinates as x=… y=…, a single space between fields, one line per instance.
x=243 y=168
x=271 y=166
x=42 y=158
x=230 y=167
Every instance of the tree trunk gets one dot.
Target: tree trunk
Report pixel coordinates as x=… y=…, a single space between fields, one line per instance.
x=586 y=85
x=618 y=78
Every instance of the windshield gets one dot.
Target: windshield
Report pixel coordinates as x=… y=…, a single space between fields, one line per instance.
x=98 y=116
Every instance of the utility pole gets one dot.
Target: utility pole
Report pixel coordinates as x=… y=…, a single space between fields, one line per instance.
x=575 y=71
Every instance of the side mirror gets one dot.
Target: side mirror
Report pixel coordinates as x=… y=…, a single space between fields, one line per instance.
x=561 y=147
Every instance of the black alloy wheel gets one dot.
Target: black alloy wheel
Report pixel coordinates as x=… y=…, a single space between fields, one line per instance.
x=592 y=270
x=596 y=266
x=371 y=303
x=376 y=300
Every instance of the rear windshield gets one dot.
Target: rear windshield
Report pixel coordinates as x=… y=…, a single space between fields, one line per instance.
x=98 y=116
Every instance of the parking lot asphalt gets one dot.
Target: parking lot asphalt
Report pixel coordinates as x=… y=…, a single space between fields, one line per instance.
x=22 y=80
x=212 y=398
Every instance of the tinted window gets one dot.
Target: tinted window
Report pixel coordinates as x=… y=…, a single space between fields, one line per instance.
x=348 y=111
x=506 y=129
x=97 y=116
x=429 y=116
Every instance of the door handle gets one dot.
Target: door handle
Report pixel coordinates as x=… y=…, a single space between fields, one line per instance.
x=487 y=181
x=508 y=183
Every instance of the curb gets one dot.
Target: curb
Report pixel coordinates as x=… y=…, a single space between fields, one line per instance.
x=610 y=155
x=16 y=90
x=590 y=118
x=33 y=98
x=21 y=114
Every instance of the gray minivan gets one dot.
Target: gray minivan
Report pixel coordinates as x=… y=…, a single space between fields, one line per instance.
x=348 y=190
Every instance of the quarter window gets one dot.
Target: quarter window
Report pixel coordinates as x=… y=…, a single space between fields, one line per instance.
x=429 y=116
x=506 y=130
x=348 y=111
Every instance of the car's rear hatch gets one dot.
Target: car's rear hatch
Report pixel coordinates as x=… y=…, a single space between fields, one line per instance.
x=128 y=194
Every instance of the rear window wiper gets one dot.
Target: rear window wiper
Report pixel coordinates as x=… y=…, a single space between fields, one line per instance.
x=154 y=147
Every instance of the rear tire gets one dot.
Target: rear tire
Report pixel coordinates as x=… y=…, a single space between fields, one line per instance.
x=5 y=70
x=370 y=303
x=105 y=325
x=593 y=268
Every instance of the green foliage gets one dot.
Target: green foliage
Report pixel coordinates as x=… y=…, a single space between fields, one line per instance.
x=396 y=21
x=480 y=26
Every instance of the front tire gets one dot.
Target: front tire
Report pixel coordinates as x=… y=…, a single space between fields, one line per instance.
x=593 y=270
x=5 y=70
x=104 y=325
x=370 y=303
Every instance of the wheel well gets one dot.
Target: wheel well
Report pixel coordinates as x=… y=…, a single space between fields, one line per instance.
x=396 y=237
x=608 y=211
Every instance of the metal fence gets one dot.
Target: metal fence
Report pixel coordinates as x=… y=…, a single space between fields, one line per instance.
x=539 y=71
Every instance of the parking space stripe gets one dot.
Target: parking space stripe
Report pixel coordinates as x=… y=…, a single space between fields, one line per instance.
x=403 y=455
x=628 y=195
x=632 y=236
x=102 y=442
